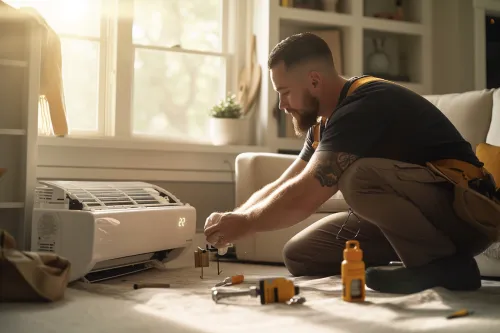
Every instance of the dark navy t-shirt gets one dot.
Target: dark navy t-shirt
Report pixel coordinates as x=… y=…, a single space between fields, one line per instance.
x=384 y=120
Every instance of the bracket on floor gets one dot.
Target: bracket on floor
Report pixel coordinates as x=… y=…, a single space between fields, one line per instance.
x=201 y=258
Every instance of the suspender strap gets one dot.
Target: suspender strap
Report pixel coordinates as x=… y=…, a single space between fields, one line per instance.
x=355 y=85
x=317 y=130
x=359 y=82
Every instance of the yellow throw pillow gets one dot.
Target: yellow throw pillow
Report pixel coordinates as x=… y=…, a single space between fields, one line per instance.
x=490 y=156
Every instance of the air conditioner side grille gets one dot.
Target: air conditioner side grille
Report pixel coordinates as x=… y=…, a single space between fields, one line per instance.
x=43 y=195
x=46 y=247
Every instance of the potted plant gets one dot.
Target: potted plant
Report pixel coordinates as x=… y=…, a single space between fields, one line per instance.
x=227 y=124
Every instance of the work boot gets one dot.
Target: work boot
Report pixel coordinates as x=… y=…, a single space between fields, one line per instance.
x=453 y=273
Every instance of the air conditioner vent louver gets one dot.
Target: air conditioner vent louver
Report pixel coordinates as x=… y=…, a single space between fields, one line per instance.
x=122 y=197
x=118 y=195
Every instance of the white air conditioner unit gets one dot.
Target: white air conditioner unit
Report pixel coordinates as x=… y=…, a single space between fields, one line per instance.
x=108 y=229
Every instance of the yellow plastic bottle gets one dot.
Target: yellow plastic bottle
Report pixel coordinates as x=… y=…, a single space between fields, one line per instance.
x=353 y=273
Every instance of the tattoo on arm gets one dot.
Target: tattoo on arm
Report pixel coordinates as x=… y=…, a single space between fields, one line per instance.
x=330 y=166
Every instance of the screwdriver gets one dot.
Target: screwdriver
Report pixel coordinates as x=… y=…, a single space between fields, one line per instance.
x=235 y=279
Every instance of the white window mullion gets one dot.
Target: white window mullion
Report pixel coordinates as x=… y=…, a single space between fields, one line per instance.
x=124 y=78
x=227 y=14
x=103 y=122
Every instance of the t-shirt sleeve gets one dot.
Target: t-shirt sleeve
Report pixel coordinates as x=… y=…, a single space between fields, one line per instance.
x=307 y=150
x=355 y=128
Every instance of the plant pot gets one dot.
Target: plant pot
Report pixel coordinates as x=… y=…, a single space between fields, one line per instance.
x=229 y=131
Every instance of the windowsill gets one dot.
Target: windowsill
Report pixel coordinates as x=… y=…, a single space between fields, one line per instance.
x=146 y=144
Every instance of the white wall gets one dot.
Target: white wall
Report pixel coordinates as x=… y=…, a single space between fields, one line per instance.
x=453 y=46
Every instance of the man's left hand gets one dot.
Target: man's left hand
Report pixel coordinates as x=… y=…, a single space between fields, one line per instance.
x=222 y=229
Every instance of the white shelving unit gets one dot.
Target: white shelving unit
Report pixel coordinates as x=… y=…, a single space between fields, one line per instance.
x=20 y=66
x=411 y=37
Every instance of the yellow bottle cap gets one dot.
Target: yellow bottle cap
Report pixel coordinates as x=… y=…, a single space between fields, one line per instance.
x=352 y=251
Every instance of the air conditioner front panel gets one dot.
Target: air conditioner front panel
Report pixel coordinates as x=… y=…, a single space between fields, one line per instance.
x=130 y=232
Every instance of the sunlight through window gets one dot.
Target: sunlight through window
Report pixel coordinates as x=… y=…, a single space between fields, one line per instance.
x=163 y=70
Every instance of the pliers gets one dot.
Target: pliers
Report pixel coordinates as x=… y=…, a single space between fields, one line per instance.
x=231 y=280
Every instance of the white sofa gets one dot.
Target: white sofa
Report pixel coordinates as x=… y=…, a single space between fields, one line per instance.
x=476 y=114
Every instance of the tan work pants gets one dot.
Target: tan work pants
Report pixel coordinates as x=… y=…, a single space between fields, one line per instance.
x=402 y=212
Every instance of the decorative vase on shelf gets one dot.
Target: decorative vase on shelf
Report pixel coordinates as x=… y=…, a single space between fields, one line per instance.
x=227 y=124
x=228 y=131
x=378 y=61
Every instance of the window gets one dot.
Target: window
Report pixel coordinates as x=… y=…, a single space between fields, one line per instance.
x=143 y=67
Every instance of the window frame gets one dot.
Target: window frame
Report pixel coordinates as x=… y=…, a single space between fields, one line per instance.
x=102 y=75
x=116 y=65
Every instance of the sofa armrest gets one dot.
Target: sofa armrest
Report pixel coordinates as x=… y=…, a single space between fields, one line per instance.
x=255 y=170
x=493 y=137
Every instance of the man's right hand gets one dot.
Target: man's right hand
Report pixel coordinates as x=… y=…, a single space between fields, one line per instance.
x=222 y=229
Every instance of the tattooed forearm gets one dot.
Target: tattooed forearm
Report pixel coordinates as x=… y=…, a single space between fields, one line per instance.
x=330 y=166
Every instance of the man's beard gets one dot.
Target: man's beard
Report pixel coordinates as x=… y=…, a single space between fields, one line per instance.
x=304 y=119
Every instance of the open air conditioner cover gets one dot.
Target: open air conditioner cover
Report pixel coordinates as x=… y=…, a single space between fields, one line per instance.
x=106 y=195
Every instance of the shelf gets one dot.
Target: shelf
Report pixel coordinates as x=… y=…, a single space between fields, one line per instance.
x=367 y=29
x=20 y=66
x=411 y=10
x=315 y=17
x=310 y=17
x=6 y=205
x=400 y=27
x=13 y=63
x=12 y=132
x=403 y=56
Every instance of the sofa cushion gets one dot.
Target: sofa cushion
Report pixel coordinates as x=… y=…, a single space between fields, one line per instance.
x=470 y=112
x=493 y=137
x=335 y=204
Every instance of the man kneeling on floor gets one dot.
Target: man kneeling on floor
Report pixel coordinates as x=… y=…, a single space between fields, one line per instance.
x=402 y=168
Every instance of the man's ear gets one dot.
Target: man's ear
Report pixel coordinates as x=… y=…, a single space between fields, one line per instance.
x=315 y=79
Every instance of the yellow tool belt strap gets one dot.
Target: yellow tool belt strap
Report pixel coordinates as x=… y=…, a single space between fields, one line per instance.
x=355 y=85
x=463 y=171
x=317 y=130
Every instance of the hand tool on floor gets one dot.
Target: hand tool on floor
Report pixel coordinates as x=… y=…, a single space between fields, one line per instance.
x=151 y=285
x=460 y=313
x=274 y=290
x=231 y=280
x=395 y=263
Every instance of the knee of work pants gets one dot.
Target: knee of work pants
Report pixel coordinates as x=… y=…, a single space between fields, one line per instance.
x=360 y=177
x=295 y=266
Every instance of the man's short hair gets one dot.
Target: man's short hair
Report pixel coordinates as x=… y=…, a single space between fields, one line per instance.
x=300 y=48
